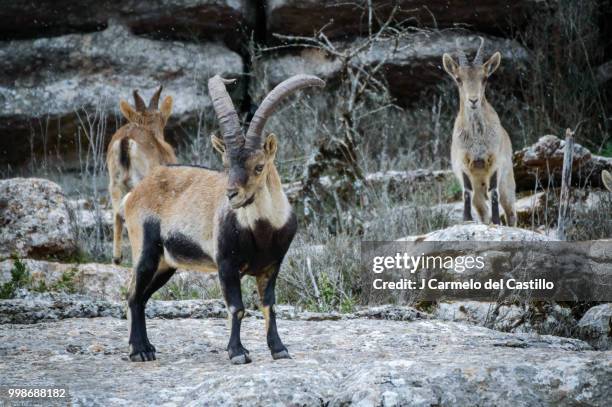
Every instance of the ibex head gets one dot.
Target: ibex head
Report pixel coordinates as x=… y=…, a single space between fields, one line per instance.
x=606 y=177
x=248 y=159
x=471 y=78
x=150 y=116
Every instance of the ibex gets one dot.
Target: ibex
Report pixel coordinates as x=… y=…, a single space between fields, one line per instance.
x=135 y=149
x=606 y=177
x=481 y=152
x=237 y=222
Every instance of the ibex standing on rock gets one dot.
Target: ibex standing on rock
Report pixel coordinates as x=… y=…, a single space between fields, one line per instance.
x=481 y=152
x=135 y=149
x=236 y=222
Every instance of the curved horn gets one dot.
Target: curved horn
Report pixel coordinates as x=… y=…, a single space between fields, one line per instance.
x=225 y=111
x=478 y=58
x=272 y=101
x=138 y=102
x=154 y=102
x=463 y=61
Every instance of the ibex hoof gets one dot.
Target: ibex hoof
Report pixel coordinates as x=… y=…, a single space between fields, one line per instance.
x=142 y=353
x=283 y=354
x=239 y=355
x=240 y=359
x=142 y=357
x=117 y=260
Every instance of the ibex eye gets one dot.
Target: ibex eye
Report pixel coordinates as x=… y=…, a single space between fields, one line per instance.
x=259 y=168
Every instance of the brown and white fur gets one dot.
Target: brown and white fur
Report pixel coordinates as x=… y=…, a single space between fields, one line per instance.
x=134 y=151
x=237 y=222
x=481 y=151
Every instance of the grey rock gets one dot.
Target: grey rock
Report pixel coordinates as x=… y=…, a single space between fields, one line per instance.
x=33 y=309
x=35 y=219
x=541 y=164
x=343 y=18
x=391 y=313
x=360 y=361
x=479 y=232
x=410 y=65
x=544 y=318
x=595 y=326
x=201 y=19
x=73 y=79
x=95 y=280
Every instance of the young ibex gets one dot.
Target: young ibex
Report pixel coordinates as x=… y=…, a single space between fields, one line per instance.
x=135 y=149
x=606 y=177
x=236 y=222
x=481 y=152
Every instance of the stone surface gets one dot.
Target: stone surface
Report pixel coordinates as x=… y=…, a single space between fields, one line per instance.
x=541 y=164
x=97 y=281
x=345 y=18
x=169 y=18
x=359 y=361
x=544 y=318
x=410 y=66
x=34 y=219
x=100 y=281
x=479 y=232
x=53 y=87
x=595 y=326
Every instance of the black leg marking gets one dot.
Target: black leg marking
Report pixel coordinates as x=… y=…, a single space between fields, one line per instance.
x=266 y=283
x=141 y=349
x=494 y=199
x=229 y=277
x=160 y=279
x=185 y=249
x=467 y=199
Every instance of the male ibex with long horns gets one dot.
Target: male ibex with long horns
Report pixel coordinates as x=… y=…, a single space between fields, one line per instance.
x=481 y=151
x=236 y=222
x=134 y=150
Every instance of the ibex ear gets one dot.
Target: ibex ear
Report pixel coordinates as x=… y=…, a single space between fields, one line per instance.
x=450 y=66
x=128 y=111
x=218 y=144
x=270 y=145
x=492 y=64
x=606 y=177
x=166 y=107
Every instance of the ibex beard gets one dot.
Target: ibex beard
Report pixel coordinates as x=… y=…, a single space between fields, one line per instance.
x=237 y=222
x=481 y=151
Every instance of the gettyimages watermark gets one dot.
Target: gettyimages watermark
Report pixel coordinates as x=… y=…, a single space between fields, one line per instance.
x=559 y=271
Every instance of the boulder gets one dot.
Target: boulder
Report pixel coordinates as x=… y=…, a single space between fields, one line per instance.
x=541 y=164
x=595 y=326
x=96 y=281
x=358 y=361
x=35 y=220
x=201 y=19
x=348 y=18
x=479 y=232
x=99 y=281
x=544 y=318
x=409 y=65
x=59 y=92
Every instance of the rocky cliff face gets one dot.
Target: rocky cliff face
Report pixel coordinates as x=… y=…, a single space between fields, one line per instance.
x=55 y=87
x=69 y=63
